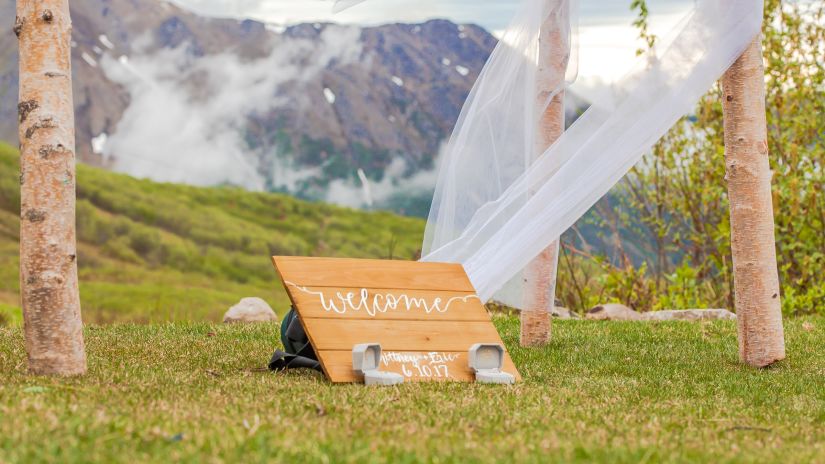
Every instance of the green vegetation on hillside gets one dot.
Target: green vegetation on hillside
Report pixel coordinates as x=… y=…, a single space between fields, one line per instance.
x=601 y=392
x=674 y=204
x=161 y=252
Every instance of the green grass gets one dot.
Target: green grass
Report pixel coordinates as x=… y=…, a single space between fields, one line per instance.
x=151 y=252
x=604 y=392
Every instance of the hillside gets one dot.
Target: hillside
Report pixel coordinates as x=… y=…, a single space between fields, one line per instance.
x=163 y=252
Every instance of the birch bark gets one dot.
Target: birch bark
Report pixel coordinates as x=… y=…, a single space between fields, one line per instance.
x=753 y=246
x=48 y=254
x=540 y=275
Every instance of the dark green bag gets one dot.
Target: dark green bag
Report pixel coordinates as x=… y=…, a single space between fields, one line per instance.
x=299 y=352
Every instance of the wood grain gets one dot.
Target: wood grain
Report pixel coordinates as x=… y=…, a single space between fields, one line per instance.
x=411 y=364
x=373 y=273
x=344 y=302
x=384 y=304
x=338 y=334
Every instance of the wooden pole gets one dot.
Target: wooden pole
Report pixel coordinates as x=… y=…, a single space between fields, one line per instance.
x=540 y=275
x=48 y=252
x=755 y=275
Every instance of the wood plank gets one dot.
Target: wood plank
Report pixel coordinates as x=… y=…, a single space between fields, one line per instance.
x=386 y=304
x=425 y=315
x=414 y=366
x=339 y=334
x=372 y=273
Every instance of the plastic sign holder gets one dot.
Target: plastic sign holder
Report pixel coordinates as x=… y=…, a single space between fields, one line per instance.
x=424 y=317
x=366 y=358
x=486 y=360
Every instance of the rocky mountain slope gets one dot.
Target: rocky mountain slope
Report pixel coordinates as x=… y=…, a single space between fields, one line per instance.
x=337 y=113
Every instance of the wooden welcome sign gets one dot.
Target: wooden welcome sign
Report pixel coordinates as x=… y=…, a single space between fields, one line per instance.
x=425 y=315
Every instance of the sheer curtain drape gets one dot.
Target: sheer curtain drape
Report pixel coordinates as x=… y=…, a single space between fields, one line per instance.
x=493 y=210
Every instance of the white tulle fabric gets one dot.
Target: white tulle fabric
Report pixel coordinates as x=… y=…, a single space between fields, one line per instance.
x=341 y=5
x=494 y=210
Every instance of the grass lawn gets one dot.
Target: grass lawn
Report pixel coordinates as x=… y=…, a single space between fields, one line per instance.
x=610 y=392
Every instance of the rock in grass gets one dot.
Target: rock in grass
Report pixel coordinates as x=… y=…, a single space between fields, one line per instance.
x=250 y=310
x=690 y=315
x=560 y=312
x=612 y=312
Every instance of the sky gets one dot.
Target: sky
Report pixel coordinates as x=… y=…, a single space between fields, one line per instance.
x=607 y=41
x=491 y=14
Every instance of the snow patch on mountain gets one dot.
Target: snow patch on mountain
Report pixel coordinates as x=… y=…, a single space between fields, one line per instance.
x=106 y=42
x=329 y=95
x=88 y=59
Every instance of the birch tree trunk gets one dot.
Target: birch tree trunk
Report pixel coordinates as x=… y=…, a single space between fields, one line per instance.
x=755 y=275
x=540 y=275
x=48 y=254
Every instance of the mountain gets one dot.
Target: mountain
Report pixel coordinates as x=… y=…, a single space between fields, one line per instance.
x=344 y=114
x=162 y=252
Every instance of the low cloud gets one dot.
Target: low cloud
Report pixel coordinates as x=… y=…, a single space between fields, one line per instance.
x=185 y=121
x=382 y=194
